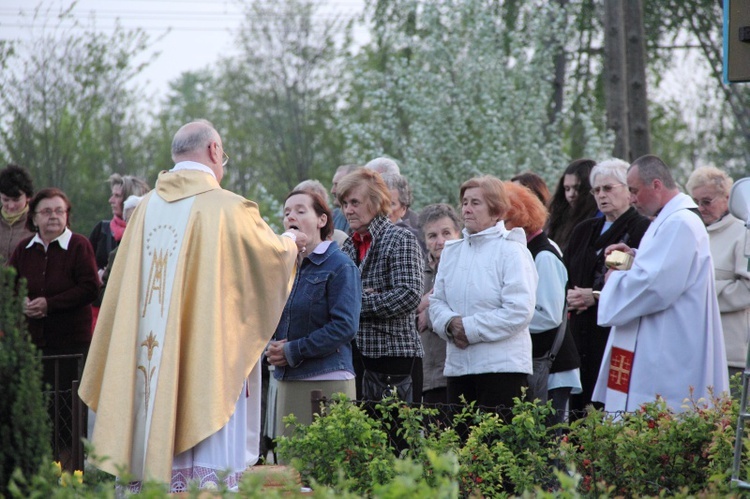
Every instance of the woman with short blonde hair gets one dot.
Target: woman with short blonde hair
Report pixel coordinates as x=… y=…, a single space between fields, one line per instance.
x=710 y=188
x=377 y=193
x=493 y=190
x=484 y=299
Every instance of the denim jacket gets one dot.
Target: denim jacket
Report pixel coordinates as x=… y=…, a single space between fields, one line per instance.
x=321 y=316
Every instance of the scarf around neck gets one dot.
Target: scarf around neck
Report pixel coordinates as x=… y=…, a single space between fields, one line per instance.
x=362 y=244
x=11 y=219
x=117 y=226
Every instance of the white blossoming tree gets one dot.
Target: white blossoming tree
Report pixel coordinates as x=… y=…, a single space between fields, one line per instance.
x=455 y=88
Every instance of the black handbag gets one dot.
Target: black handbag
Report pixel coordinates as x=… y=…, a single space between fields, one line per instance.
x=377 y=386
x=538 y=380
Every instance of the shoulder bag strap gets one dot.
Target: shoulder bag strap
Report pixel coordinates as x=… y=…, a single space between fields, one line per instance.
x=560 y=334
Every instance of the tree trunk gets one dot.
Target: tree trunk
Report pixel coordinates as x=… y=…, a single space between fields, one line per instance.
x=640 y=139
x=558 y=84
x=615 y=67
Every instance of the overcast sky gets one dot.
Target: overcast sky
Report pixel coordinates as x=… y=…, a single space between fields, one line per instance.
x=201 y=31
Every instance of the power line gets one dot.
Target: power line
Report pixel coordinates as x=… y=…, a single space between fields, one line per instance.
x=144 y=28
x=188 y=16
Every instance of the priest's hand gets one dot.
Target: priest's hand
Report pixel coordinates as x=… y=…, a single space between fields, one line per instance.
x=36 y=308
x=301 y=241
x=618 y=247
x=275 y=353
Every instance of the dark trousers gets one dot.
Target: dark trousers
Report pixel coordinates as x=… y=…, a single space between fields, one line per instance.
x=487 y=389
x=435 y=396
x=559 y=397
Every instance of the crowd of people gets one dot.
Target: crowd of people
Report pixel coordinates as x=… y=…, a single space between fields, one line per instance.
x=513 y=294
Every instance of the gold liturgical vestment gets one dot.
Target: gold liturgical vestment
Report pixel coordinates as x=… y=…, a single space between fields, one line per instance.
x=229 y=285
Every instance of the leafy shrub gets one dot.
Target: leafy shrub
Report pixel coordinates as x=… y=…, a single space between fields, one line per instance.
x=24 y=424
x=655 y=451
x=343 y=447
x=500 y=459
x=495 y=459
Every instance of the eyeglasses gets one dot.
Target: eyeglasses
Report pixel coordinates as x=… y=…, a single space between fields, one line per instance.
x=224 y=157
x=606 y=188
x=705 y=202
x=47 y=212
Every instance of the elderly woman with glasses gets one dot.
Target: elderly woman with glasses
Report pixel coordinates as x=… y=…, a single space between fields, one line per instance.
x=60 y=271
x=62 y=282
x=710 y=189
x=584 y=259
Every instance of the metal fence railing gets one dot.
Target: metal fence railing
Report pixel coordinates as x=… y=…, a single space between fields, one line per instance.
x=66 y=410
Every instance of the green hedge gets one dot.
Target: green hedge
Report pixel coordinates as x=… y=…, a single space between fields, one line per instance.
x=24 y=423
x=648 y=453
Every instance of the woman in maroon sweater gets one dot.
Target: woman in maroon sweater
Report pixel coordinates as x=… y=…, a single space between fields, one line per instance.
x=62 y=282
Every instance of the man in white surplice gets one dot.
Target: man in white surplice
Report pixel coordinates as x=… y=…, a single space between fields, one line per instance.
x=195 y=294
x=666 y=336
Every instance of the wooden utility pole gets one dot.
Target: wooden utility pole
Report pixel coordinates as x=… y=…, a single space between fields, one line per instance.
x=615 y=70
x=640 y=137
x=625 y=83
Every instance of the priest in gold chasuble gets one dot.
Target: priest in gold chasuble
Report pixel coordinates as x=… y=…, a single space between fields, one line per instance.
x=195 y=294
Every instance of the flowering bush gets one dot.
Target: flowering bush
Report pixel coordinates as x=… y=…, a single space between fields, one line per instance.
x=651 y=452
x=498 y=459
x=654 y=450
x=349 y=453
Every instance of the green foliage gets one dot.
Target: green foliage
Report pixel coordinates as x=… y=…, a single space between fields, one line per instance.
x=494 y=460
x=652 y=452
x=498 y=459
x=71 y=114
x=344 y=448
x=655 y=451
x=410 y=481
x=277 y=101
x=345 y=453
x=24 y=423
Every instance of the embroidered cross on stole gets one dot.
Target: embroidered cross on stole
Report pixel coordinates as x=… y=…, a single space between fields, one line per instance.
x=620 y=368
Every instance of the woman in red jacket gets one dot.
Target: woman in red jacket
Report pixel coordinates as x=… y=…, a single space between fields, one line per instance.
x=61 y=278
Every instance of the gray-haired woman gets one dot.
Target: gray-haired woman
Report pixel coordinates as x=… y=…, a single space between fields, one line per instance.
x=440 y=223
x=710 y=189
x=584 y=258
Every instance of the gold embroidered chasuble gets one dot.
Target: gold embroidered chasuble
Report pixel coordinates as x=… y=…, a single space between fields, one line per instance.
x=230 y=284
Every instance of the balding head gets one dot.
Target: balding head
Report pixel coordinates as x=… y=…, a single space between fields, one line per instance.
x=200 y=142
x=383 y=166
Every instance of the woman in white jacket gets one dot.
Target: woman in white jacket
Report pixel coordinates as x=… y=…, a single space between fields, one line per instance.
x=484 y=299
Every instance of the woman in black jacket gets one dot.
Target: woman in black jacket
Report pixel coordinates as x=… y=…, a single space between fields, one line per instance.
x=584 y=259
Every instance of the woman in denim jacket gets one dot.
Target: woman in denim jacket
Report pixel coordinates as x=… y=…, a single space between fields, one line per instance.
x=311 y=349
